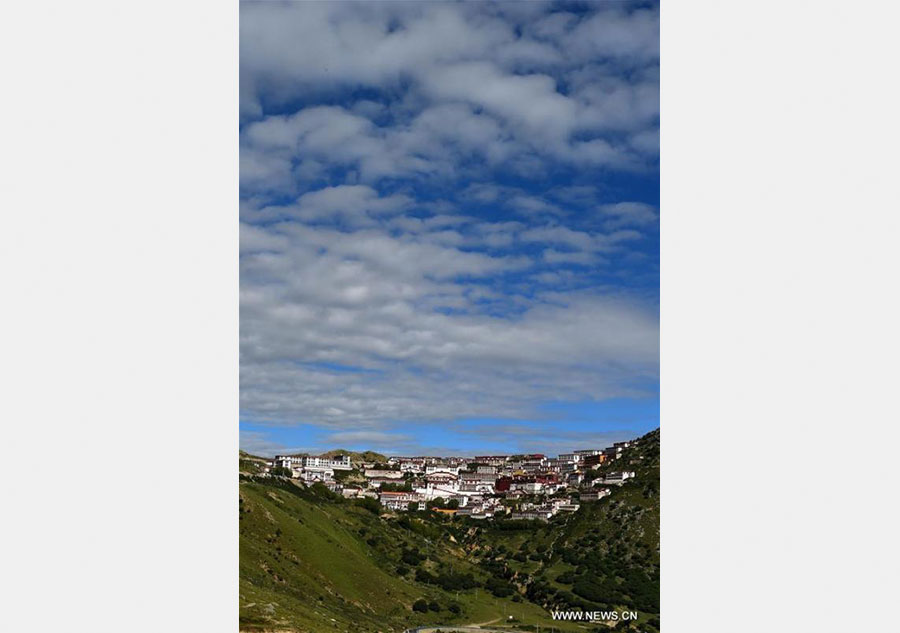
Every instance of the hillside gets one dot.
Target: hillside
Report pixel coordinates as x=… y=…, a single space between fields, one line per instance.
x=355 y=457
x=604 y=556
x=365 y=456
x=309 y=562
x=313 y=561
x=251 y=464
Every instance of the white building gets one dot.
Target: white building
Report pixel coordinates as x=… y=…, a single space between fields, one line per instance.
x=540 y=515
x=476 y=482
x=613 y=452
x=492 y=460
x=399 y=501
x=594 y=495
x=433 y=491
x=618 y=478
x=312 y=474
x=476 y=512
x=442 y=478
x=339 y=462
x=372 y=473
x=528 y=487
x=441 y=468
x=377 y=482
x=285 y=461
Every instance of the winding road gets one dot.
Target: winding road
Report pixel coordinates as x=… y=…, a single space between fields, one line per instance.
x=466 y=628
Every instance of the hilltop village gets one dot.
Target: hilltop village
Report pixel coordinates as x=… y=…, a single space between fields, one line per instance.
x=519 y=487
x=362 y=542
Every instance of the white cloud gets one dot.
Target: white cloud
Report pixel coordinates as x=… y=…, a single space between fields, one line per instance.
x=475 y=76
x=388 y=243
x=370 y=438
x=554 y=256
x=532 y=205
x=332 y=135
x=560 y=235
x=367 y=300
x=630 y=37
x=258 y=443
x=356 y=205
x=530 y=101
x=623 y=214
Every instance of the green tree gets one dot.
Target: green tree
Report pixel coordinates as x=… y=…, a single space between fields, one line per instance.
x=370 y=504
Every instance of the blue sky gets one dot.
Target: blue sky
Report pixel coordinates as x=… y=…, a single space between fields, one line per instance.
x=449 y=226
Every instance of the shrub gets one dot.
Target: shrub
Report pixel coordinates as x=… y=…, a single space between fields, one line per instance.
x=420 y=605
x=499 y=588
x=321 y=491
x=389 y=487
x=566 y=578
x=448 y=581
x=370 y=504
x=424 y=576
x=434 y=606
x=411 y=558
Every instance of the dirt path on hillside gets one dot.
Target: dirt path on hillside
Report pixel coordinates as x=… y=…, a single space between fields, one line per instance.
x=481 y=624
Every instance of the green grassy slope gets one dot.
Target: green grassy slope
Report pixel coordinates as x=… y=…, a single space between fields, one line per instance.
x=251 y=464
x=303 y=567
x=310 y=561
